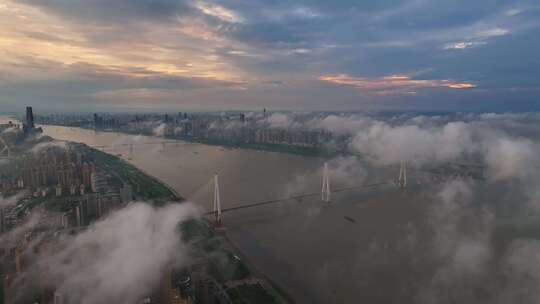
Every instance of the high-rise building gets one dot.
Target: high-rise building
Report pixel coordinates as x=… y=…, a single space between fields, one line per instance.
x=87 y=170
x=28 y=126
x=98 y=181
x=29 y=118
x=2 y=221
x=81 y=213
x=18 y=260
x=58 y=190
x=126 y=194
x=6 y=288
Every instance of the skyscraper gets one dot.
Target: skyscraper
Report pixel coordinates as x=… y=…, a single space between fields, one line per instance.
x=96 y=121
x=29 y=118
x=2 y=221
x=28 y=126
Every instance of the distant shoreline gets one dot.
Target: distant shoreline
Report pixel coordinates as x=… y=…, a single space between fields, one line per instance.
x=269 y=147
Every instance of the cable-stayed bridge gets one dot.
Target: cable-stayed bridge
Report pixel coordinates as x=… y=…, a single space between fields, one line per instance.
x=296 y=197
x=325 y=193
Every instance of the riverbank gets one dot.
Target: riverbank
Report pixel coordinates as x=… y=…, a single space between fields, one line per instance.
x=145 y=186
x=239 y=279
x=228 y=268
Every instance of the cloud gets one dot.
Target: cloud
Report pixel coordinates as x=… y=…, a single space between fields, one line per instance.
x=503 y=146
x=463 y=45
x=219 y=12
x=479 y=38
x=14 y=236
x=38 y=148
x=504 y=143
x=521 y=265
x=11 y=200
x=159 y=130
x=346 y=171
x=468 y=252
x=513 y=12
x=462 y=246
x=280 y=121
x=393 y=84
x=306 y=12
x=509 y=158
x=492 y=32
x=10 y=130
x=71 y=57
x=341 y=124
x=386 y=144
x=118 y=11
x=120 y=259
x=250 y=43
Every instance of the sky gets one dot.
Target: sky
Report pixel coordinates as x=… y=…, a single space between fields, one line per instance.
x=161 y=55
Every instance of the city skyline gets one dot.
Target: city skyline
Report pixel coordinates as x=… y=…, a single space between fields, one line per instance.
x=304 y=55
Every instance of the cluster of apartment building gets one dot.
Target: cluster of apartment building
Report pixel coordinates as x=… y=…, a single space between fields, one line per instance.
x=86 y=191
x=63 y=171
x=249 y=133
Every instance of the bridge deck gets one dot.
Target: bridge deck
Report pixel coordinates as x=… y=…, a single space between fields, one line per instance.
x=295 y=197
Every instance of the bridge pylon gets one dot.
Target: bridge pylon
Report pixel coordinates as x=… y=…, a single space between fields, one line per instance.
x=217 y=201
x=326 y=193
x=402 y=179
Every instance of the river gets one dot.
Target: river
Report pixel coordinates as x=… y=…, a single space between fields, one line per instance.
x=357 y=249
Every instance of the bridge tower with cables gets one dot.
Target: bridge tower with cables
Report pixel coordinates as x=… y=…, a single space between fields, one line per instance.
x=326 y=193
x=402 y=179
x=217 y=201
